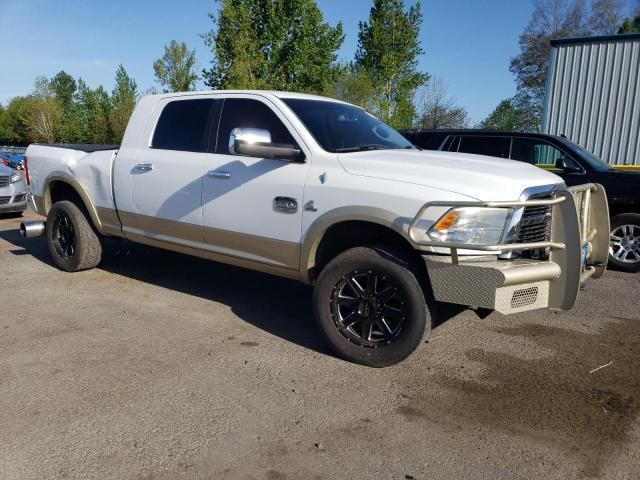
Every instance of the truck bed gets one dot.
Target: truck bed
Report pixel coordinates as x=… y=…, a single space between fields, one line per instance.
x=83 y=147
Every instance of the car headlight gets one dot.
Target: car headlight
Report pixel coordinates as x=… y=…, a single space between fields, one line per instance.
x=16 y=177
x=472 y=225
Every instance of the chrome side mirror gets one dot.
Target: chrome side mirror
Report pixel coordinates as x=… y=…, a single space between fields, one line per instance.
x=256 y=142
x=248 y=136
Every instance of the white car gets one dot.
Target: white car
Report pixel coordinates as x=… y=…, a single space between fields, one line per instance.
x=321 y=191
x=13 y=191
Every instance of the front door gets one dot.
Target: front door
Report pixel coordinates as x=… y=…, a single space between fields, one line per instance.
x=252 y=207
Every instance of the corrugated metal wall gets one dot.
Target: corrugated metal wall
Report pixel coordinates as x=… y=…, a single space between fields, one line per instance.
x=593 y=97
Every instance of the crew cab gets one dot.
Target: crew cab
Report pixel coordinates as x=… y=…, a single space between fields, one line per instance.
x=320 y=191
x=571 y=162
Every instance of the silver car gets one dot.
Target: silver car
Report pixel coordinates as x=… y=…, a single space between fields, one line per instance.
x=13 y=191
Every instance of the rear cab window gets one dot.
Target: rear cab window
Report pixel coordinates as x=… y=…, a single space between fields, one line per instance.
x=187 y=125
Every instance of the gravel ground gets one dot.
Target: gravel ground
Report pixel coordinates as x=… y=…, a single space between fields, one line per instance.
x=161 y=366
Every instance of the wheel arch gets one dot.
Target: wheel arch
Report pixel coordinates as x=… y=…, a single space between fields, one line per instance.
x=619 y=208
x=64 y=187
x=344 y=228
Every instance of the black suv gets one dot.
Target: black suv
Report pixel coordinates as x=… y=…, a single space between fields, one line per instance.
x=564 y=158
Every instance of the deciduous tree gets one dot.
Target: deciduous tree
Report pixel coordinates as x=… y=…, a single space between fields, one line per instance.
x=123 y=99
x=279 y=44
x=175 y=71
x=388 y=51
x=606 y=16
x=437 y=110
x=550 y=19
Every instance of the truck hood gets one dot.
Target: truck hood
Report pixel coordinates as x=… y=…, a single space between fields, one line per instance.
x=483 y=178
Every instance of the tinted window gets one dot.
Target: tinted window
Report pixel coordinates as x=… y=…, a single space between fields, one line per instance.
x=536 y=152
x=339 y=127
x=492 y=146
x=451 y=144
x=426 y=140
x=185 y=125
x=247 y=113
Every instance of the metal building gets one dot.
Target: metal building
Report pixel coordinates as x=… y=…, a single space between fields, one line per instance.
x=593 y=95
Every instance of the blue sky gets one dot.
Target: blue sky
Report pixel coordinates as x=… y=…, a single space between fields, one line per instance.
x=467 y=44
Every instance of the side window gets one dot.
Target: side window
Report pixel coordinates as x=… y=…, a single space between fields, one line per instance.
x=539 y=153
x=185 y=125
x=247 y=113
x=481 y=145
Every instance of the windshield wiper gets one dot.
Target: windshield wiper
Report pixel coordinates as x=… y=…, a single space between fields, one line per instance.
x=361 y=148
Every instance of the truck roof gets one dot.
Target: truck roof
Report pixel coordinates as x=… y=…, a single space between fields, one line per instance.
x=273 y=93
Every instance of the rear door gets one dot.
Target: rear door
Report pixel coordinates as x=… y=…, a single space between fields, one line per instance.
x=166 y=176
x=484 y=145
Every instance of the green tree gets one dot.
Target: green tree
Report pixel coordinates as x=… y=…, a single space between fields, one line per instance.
x=277 y=44
x=630 y=25
x=388 y=51
x=507 y=116
x=41 y=113
x=13 y=130
x=175 y=70
x=353 y=86
x=123 y=99
x=95 y=109
x=64 y=88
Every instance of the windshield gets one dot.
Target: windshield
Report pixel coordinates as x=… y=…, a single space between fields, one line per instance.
x=339 y=127
x=593 y=161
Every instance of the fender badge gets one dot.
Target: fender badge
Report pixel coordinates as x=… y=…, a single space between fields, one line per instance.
x=323 y=177
x=310 y=206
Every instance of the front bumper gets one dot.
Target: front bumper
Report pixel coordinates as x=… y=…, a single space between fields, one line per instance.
x=13 y=203
x=578 y=251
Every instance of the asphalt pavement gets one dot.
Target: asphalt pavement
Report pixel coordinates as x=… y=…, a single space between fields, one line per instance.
x=161 y=366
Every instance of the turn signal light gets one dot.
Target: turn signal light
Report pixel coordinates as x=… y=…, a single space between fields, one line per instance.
x=447 y=221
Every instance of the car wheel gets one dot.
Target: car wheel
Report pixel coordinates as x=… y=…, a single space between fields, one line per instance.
x=371 y=307
x=73 y=243
x=624 y=247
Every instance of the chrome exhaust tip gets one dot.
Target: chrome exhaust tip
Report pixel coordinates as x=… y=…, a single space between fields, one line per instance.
x=32 y=229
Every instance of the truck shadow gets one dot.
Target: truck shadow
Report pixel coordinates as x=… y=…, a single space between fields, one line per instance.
x=276 y=305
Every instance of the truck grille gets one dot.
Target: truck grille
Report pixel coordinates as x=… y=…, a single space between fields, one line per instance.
x=4 y=181
x=4 y=200
x=535 y=224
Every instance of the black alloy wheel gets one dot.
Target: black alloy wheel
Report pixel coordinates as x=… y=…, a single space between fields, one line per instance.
x=64 y=235
x=368 y=308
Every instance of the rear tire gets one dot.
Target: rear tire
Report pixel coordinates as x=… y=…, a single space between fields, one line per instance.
x=370 y=307
x=624 y=249
x=73 y=243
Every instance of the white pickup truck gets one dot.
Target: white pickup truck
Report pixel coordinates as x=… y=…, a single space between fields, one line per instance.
x=321 y=191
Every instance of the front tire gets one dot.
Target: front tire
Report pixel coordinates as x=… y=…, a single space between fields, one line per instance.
x=624 y=249
x=371 y=307
x=73 y=243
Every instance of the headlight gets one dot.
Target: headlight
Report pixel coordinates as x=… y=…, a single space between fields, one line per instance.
x=16 y=177
x=472 y=225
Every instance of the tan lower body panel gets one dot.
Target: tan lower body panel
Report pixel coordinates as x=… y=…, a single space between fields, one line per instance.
x=250 y=251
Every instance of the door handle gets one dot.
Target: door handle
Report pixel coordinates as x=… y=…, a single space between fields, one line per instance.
x=219 y=174
x=144 y=167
